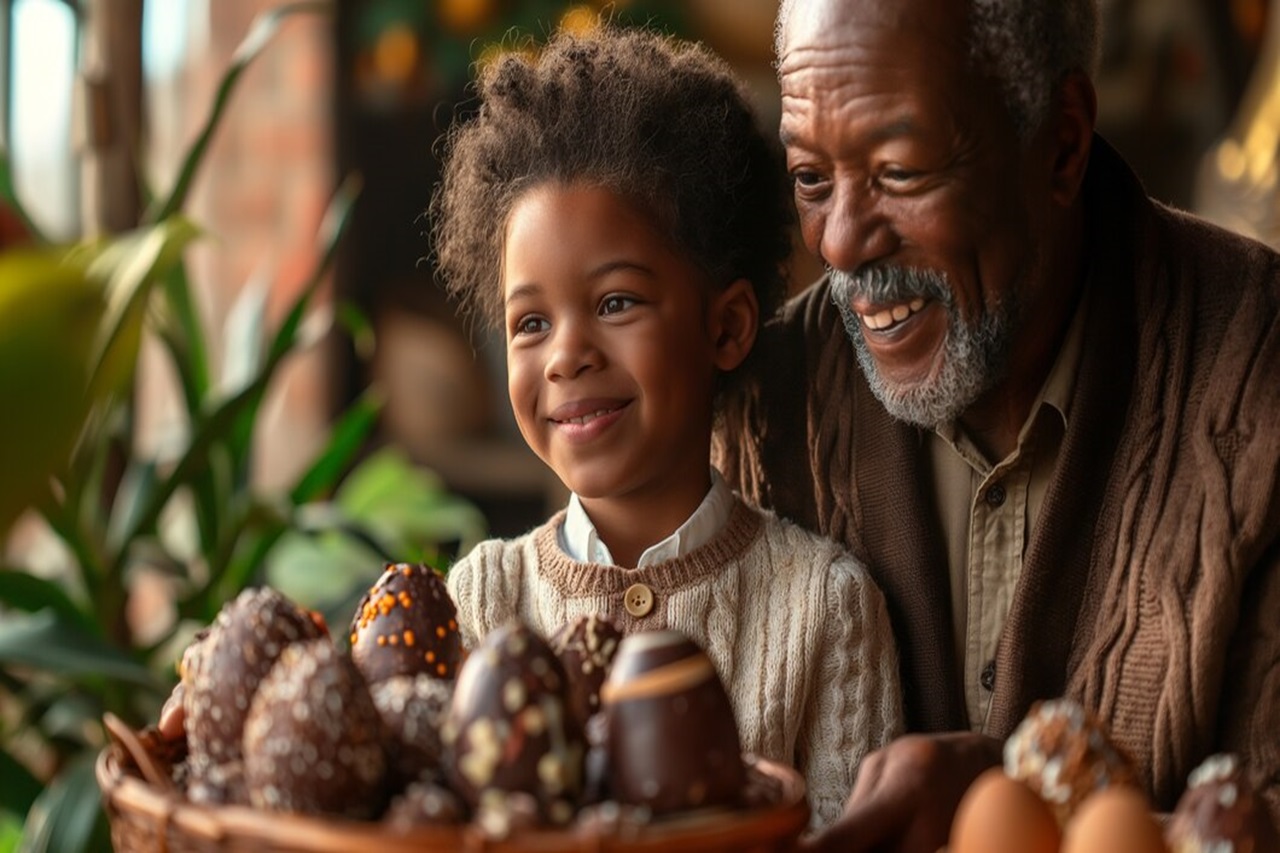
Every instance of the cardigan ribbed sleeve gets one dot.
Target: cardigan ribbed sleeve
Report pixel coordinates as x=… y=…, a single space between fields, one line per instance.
x=797 y=631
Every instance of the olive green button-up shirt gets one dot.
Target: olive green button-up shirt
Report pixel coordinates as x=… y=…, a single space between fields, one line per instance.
x=988 y=512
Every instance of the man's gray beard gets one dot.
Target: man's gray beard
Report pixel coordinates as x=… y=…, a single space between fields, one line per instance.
x=974 y=357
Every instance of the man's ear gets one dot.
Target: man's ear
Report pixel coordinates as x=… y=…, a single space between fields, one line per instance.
x=1071 y=129
x=733 y=319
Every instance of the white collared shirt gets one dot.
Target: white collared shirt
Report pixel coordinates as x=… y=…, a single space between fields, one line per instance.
x=579 y=539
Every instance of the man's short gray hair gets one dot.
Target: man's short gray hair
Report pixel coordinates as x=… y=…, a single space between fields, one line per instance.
x=1029 y=46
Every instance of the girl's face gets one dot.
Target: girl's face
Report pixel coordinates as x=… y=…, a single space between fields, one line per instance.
x=612 y=348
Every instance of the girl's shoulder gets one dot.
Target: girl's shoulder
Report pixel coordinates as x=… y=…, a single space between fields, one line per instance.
x=803 y=553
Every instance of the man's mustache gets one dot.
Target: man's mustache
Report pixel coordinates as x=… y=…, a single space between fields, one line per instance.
x=890 y=283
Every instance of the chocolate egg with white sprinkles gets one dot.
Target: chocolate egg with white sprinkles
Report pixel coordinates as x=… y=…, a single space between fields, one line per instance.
x=413 y=709
x=313 y=739
x=509 y=728
x=586 y=647
x=223 y=668
x=672 y=738
x=406 y=624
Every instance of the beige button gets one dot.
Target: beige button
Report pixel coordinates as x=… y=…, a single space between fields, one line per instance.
x=638 y=600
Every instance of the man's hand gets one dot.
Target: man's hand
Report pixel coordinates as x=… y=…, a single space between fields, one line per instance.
x=906 y=795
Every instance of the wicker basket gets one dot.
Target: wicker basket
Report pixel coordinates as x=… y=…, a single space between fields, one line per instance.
x=145 y=818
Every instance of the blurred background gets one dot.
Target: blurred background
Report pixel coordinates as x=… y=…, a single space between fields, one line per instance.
x=368 y=89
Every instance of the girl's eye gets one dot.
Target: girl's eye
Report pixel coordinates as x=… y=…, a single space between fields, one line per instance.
x=530 y=325
x=615 y=304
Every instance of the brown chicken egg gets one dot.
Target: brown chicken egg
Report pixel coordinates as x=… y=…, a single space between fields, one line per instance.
x=406 y=624
x=1117 y=819
x=586 y=647
x=1063 y=753
x=1002 y=815
x=313 y=739
x=672 y=739
x=222 y=669
x=509 y=729
x=1220 y=810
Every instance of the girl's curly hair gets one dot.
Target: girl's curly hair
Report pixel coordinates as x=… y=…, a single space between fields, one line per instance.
x=663 y=123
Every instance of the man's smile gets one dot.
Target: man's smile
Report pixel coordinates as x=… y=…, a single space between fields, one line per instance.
x=883 y=317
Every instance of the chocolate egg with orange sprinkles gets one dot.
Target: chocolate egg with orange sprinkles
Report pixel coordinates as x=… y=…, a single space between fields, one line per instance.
x=406 y=624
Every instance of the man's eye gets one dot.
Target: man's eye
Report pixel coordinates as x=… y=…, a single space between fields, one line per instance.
x=615 y=304
x=898 y=178
x=808 y=184
x=804 y=178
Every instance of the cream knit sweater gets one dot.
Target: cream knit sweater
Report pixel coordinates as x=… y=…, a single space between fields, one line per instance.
x=796 y=629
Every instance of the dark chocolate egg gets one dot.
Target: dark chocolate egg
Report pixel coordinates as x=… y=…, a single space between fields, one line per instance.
x=586 y=647
x=509 y=728
x=1220 y=810
x=313 y=740
x=1063 y=753
x=672 y=739
x=413 y=709
x=406 y=624
x=223 y=667
x=424 y=803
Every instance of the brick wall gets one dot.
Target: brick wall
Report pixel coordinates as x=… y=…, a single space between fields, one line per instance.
x=261 y=196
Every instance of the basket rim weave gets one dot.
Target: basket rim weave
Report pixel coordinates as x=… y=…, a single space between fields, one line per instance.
x=171 y=815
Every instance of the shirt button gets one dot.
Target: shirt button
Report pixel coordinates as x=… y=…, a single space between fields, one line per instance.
x=995 y=495
x=638 y=599
x=988 y=677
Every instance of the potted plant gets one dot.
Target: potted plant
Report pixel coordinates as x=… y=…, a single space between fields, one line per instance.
x=192 y=517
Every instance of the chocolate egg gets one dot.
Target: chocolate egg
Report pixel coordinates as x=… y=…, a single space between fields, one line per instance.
x=509 y=728
x=223 y=667
x=406 y=624
x=586 y=647
x=424 y=804
x=413 y=710
x=1220 y=810
x=313 y=739
x=1063 y=753
x=1002 y=815
x=672 y=737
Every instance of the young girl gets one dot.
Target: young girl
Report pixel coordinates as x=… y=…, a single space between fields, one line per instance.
x=616 y=209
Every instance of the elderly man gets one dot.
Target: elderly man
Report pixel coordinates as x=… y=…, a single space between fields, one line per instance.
x=1044 y=408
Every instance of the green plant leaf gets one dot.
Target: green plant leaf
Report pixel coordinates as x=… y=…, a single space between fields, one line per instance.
x=20 y=787
x=136 y=487
x=345 y=442
x=129 y=265
x=264 y=27
x=67 y=817
x=45 y=642
x=30 y=594
x=179 y=327
x=285 y=341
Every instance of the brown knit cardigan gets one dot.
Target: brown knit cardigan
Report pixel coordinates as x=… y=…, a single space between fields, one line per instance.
x=1151 y=585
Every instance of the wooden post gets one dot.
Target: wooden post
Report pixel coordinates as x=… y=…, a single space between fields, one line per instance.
x=110 y=115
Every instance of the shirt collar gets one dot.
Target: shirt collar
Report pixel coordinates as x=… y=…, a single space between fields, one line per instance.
x=1055 y=394
x=579 y=539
